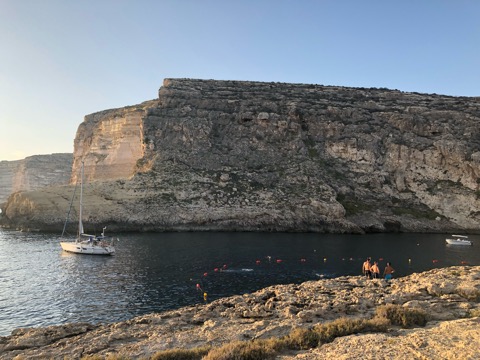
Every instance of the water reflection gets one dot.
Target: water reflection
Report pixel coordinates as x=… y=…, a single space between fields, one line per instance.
x=42 y=285
x=460 y=254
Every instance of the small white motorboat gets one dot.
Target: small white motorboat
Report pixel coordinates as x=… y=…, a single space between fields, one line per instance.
x=458 y=240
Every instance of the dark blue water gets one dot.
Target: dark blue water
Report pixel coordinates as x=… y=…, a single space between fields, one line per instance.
x=42 y=285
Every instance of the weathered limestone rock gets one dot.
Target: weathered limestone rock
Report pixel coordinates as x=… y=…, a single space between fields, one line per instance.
x=445 y=340
x=34 y=172
x=238 y=155
x=446 y=295
x=110 y=143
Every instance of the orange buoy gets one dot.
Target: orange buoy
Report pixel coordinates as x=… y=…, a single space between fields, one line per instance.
x=258 y=262
x=205 y=274
x=434 y=261
x=279 y=261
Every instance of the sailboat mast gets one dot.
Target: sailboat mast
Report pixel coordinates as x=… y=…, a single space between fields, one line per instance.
x=80 y=215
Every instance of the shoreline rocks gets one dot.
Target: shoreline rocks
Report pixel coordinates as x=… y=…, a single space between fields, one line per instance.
x=450 y=297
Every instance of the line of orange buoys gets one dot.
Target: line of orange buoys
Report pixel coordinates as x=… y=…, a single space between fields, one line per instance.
x=302 y=260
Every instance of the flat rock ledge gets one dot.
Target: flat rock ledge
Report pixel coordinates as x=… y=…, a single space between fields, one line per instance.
x=450 y=297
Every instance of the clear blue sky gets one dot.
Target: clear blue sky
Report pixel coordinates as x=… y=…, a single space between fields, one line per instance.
x=63 y=59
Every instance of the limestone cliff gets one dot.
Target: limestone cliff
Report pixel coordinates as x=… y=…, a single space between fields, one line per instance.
x=235 y=155
x=34 y=172
x=110 y=143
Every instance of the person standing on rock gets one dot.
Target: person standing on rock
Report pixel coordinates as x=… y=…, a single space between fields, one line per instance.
x=375 y=270
x=366 y=268
x=389 y=270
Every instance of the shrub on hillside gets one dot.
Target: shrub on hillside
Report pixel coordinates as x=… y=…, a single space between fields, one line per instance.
x=301 y=338
x=344 y=326
x=182 y=354
x=246 y=350
x=402 y=316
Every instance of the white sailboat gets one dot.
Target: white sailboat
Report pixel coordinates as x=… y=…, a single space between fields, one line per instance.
x=86 y=243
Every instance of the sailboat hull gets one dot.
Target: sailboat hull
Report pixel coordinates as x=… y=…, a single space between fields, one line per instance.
x=87 y=248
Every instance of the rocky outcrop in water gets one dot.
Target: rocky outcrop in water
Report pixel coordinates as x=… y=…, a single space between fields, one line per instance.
x=450 y=298
x=251 y=156
x=34 y=172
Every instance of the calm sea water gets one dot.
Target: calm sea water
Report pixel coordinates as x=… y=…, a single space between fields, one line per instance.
x=41 y=285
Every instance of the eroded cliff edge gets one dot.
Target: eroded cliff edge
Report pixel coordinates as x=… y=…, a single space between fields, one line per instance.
x=251 y=156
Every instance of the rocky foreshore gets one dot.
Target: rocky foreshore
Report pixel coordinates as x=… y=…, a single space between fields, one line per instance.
x=450 y=297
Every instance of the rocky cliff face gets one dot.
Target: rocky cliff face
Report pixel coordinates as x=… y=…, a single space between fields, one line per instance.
x=233 y=155
x=110 y=143
x=34 y=172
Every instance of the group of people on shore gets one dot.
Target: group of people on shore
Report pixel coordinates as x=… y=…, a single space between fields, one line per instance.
x=372 y=271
